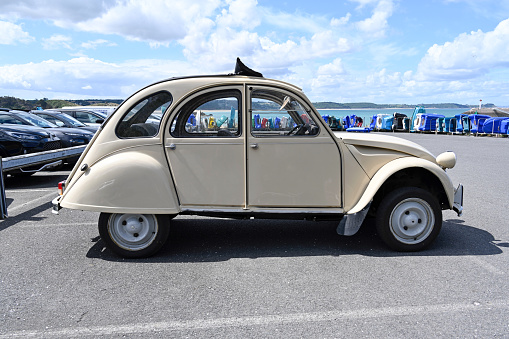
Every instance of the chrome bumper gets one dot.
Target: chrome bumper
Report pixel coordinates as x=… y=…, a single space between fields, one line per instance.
x=458 y=200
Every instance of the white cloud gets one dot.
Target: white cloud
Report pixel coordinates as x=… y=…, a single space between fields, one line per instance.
x=66 y=10
x=240 y=13
x=95 y=43
x=86 y=75
x=158 y=22
x=377 y=25
x=333 y=68
x=341 y=21
x=57 y=41
x=11 y=33
x=468 y=56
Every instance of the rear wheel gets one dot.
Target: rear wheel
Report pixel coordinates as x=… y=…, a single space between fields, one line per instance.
x=134 y=235
x=409 y=219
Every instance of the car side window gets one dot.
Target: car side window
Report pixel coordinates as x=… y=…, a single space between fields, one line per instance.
x=274 y=113
x=214 y=114
x=144 y=118
x=86 y=117
x=7 y=119
x=52 y=120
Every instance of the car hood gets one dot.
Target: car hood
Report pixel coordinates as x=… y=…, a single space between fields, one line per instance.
x=25 y=129
x=80 y=131
x=385 y=142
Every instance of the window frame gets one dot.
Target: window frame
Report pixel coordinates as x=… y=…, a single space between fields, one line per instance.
x=295 y=116
x=121 y=120
x=196 y=101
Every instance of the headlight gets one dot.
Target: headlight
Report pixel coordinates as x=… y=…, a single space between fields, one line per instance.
x=446 y=160
x=23 y=136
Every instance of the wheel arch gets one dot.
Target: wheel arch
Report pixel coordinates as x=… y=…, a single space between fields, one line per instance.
x=409 y=172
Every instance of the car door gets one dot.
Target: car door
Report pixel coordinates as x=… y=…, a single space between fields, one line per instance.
x=292 y=161
x=205 y=149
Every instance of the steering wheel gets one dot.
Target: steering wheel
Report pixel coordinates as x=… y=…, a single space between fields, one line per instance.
x=299 y=127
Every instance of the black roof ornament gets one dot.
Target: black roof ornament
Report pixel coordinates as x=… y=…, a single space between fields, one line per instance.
x=241 y=69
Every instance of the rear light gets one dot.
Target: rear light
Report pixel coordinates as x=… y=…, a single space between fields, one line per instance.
x=61 y=187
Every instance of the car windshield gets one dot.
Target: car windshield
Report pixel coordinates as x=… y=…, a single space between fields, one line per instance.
x=38 y=121
x=70 y=120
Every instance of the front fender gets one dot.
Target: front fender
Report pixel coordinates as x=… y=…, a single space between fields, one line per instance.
x=127 y=181
x=397 y=165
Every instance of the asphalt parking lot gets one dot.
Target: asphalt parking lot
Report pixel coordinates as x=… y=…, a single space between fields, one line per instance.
x=226 y=278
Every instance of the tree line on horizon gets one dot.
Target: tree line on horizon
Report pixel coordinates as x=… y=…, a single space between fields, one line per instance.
x=45 y=103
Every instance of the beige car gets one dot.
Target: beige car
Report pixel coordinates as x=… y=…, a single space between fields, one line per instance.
x=243 y=146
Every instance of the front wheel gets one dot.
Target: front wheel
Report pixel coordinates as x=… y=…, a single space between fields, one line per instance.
x=409 y=219
x=134 y=235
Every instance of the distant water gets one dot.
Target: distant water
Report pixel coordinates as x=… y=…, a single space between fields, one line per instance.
x=366 y=114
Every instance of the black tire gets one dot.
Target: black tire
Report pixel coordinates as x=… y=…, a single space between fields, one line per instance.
x=409 y=219
x=134 y=235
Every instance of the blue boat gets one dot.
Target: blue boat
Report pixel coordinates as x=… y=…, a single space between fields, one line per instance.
x=380 y=121
x=372 y=124
x=426 y=122
x=335 y=124
x=349 y=121
x=476 y=122
x=450 y=125
x=493 y=125
x=400 y=122
x=257 y=122
x=462 y=123
x=413 y=120
x=387 y=123
x=504 y=127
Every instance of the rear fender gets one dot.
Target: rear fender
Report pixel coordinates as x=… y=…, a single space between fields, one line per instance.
x=127 y=181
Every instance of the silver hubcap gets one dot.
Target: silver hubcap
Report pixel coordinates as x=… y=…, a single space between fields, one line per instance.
x=133 y=232
x=412 y=221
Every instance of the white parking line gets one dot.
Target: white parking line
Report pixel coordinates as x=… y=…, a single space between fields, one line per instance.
x=294 y=318
x=53 y=189
x=39 y=225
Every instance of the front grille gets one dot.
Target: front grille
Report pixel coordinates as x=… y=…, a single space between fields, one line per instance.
x=50 y=145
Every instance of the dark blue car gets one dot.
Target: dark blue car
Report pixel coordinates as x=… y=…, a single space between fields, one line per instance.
x=68 y=136
x=33 y=139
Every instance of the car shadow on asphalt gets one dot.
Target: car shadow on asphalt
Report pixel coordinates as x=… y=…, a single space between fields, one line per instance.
x=216 y=240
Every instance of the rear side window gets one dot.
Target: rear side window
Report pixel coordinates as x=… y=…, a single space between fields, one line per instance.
x=144 y=118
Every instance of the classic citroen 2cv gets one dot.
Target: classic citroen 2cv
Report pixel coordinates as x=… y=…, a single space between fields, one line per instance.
x=244 y=146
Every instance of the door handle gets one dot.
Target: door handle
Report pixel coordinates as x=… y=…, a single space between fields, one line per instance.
x=172 y=146
x=253 y=146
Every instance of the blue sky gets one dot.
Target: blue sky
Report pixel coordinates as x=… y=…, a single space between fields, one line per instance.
x=382 y=51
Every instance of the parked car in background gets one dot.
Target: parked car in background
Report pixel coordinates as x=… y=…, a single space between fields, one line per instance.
x=32 y=139
x=105 y=110
x=68 y=136
x=87 y=117
x=10 y=146
x=64 y=120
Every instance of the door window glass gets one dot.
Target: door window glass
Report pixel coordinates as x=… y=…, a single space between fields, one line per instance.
x=214 y=114
x=144 y=118
x=275 y=113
